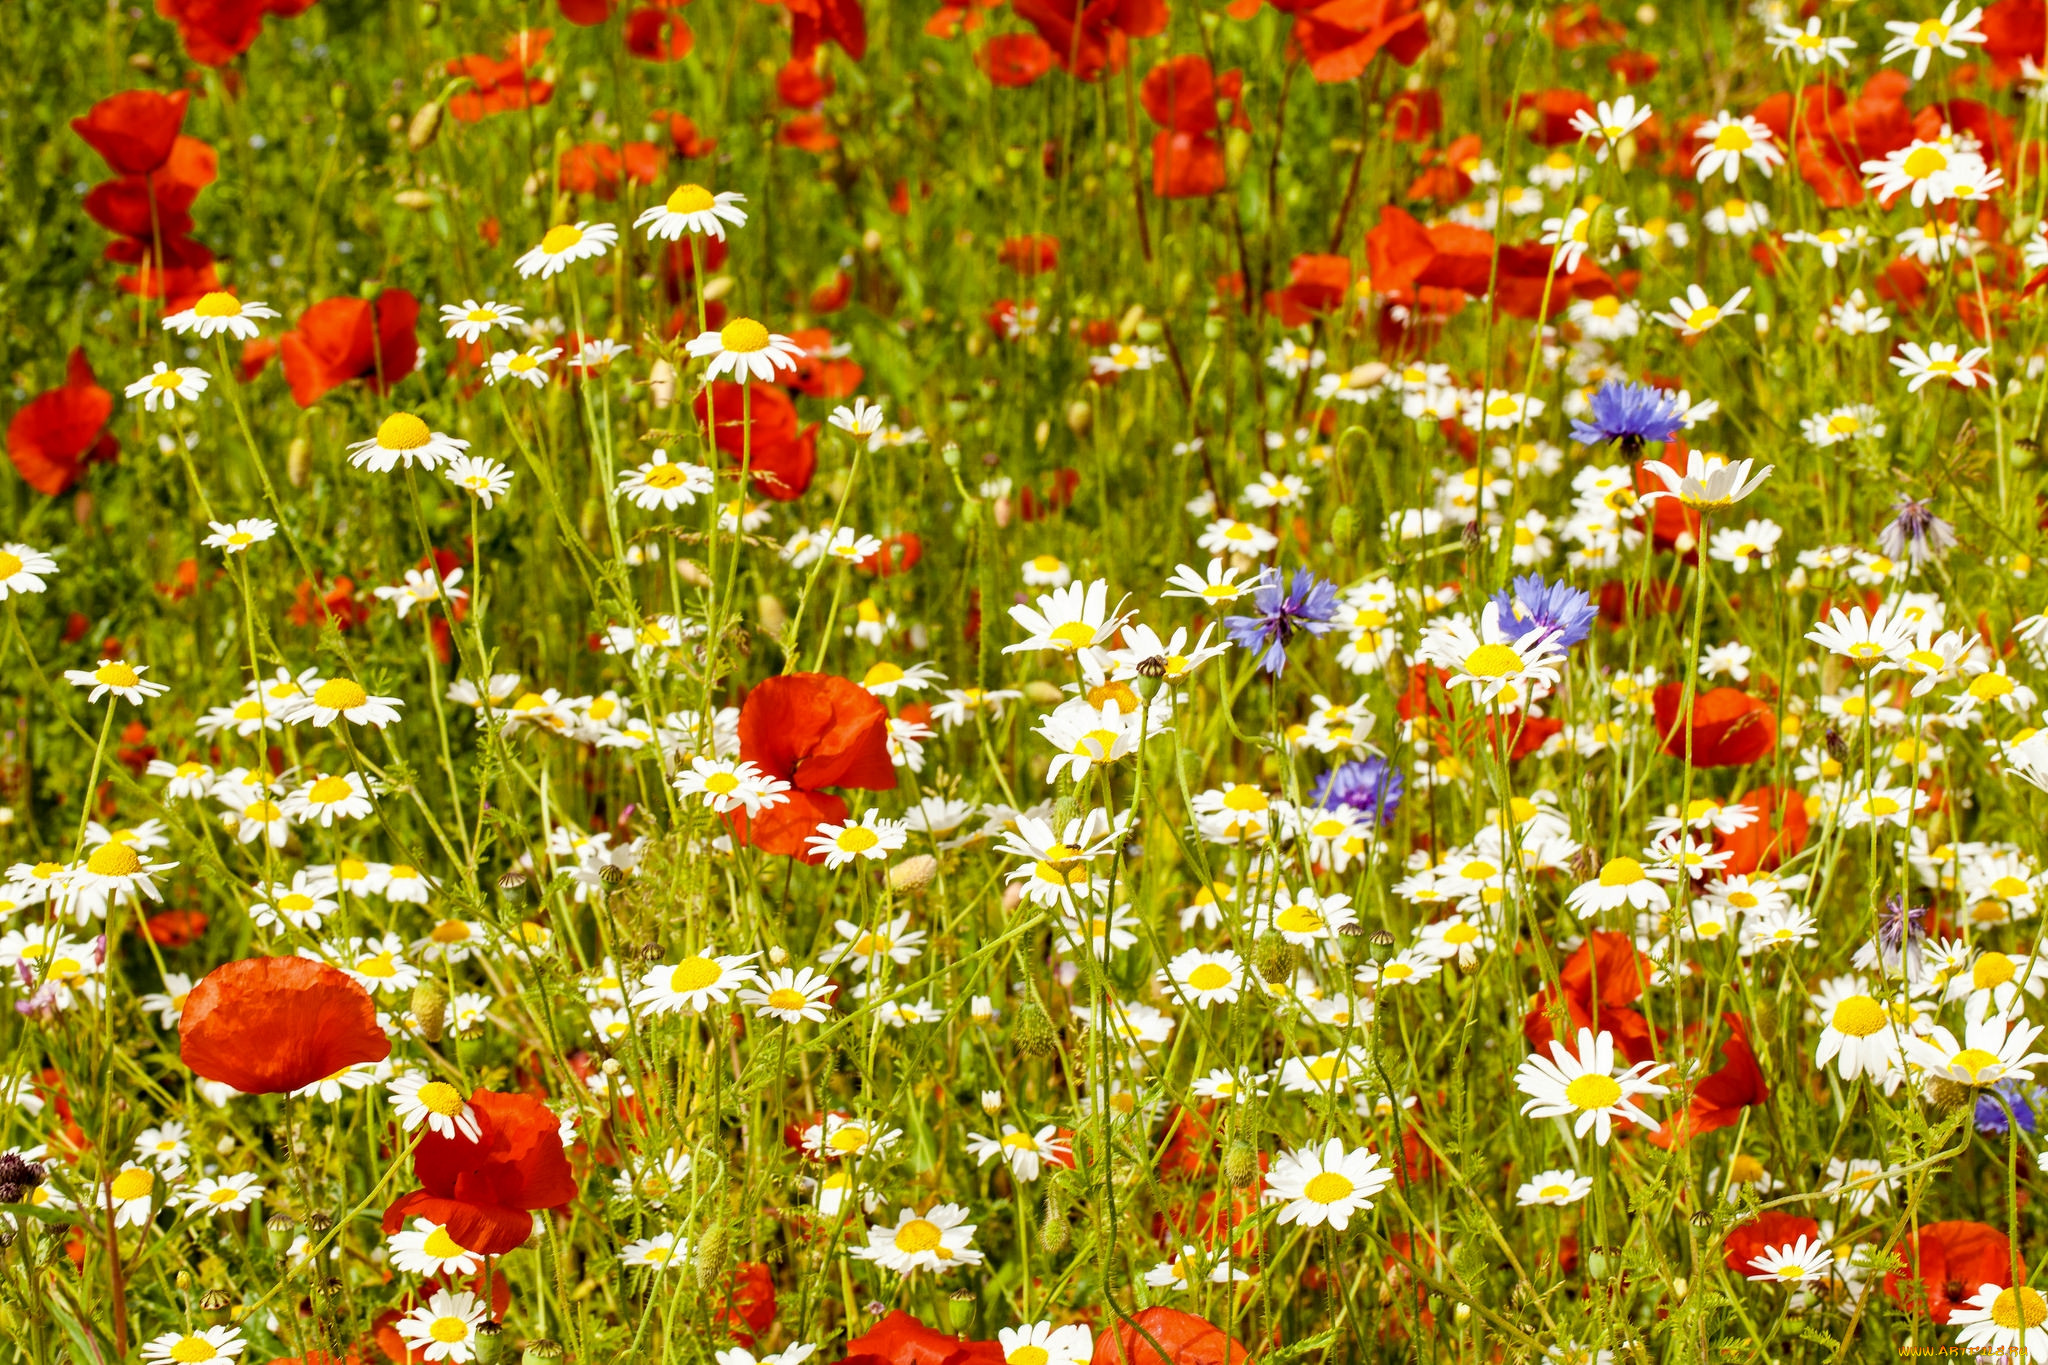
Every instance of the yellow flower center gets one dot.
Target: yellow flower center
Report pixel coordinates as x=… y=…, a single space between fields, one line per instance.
x=918 y=1235
x=10 y=565
x=1621 y=872
x=340 y=694
x=452 y=1329
x=1209 y=976
x=1922 y=162
x=134 y=1182
x=328 y=790
x=2012 y=1305
x=1126 y=700
x=881 y=675
x=218 y=304
x=377 y=965
x=441 y=1246
x=1733 y=138
x=166 y=379
x=561 y=238
x=1699 y=319
x=743 y=334
x=1992 y=969
x=1553 y=1192
x=690 y=199
x=1493 y=661
x=1327 y=1188
x=1973 y=1060
x=1593 y=1091
x=858 y=839
x=442 y=1098
x=1932 y=33
x=1028 y=1355
x=787 y=998
x=1073 y=635
x=116 y=674
x=721 y=784
x=114 y=860
x=403 y=431
x=1298 y=919
x=694 y=974
x=192 y=1350
x=1246 y=799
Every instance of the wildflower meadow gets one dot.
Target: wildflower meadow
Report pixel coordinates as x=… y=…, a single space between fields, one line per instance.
x=1023 y=682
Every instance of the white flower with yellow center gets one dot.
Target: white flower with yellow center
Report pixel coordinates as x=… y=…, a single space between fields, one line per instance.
x=937 y=1240
x=1306 y=917
x=2002 y=1324
x=885 y=679
x=1326 y=1184
x=1556 y=1188
x=164 y=385
x=217 y=312
x=1708 y=482
x=1920 y=366
x=1994 y=1048
x=1623 y=881
x=1226 y=536
x=695 y=982
x=233 y=537
x=419 y=1099
x=1041 y=1343
x=221 y=1194
x=1409 y=967
x=565 y=244
x=1208 y=978
x=471 y=321
x=727 y=784
x=303 y=903
x=1057 y=869
x=194 y=1348
x=529 y=365
x=1023 y=1152
x=1694 y=312
x=1726 y=142
x=1925 y=171
x=444 y=1328
x=659 y=1252
x=344 y=699
x=329 y=797
x=1216 y=585
x=660 y=485
x=117 y=676
x=425 y=1248
x=792 y=996
x=1803 y=1260
x=693 y=209
x=870 y=837
x=1809 y=45
x=132 y=1193
x=1490 y=661
x=23 y=569
x=1583 y=1086
x=404 y=438
x=746 y=350
x=485 y=479
x=1922 y=38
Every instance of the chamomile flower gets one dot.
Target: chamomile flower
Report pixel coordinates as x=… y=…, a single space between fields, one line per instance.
x=1803 y=1260
x=1694 y=312
x=1920 y=366
x=661 y=485
x=529 y=365
x=471 y=321
x=221 y=1194
x=1556 y=1188
x=792 y=995
x=233 y=537
x=697 y=981
x=1325 y=1185
x=1726 y=142
x=746 y=350
x=217 y=312
x=118 y=677
x=426 y=1248
x=23 y=569
x=403 y=438
x=565 y=244
x=1023 y=1152
x=445 y=1327
x=870 y=837
x=1490 y=660
x=1810 y=45
x=1583 y=1085
x=1922 y=38
x=194 y=1348
x=2000 y=1323
x=693 y=209
x=164 y=385
x=486 y=479
x=937 y=1240
x=1067 y=619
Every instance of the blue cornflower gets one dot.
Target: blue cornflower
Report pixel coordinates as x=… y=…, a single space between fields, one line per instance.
x=1990 y=1116
x=1563 y=610
x=1307 y=603
x=1367 y=787
x=1633 y=414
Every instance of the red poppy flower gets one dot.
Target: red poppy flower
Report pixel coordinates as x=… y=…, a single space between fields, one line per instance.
x=485 y=1192
x=827 y=21
x=1180 y=96
x=900 y=1339
x=1951 y=1261
x=339 y=604
x=1601 y=980
x=266 y=1025
x=1770 y=838
x=1719 y=1099
x=762 y=431
x=1750 y=1240
x=590 y=168
x=133 y=131
x=1727 y=727
x=1315 y=284
x=749 y=1302
x=497 y=86
x=684 y=138
x=2014 y=30
x=1550 y=114
x=832 y=296
x=1031 y=255
x=60 y=429
x=1415 y=115
x=215 y=32
x=800 y=85
x=814 y=731
x=819 y=373
x=176 y=928
x=658 y=34
x=342 y=339
x=1185 y=1339
x=586 y=13
x=1088 y=37
x=1340 y=38
x=1013 y=60
x=897 y=555
x=807 y=133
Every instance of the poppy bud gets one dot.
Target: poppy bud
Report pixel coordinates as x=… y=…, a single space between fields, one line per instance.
x=1042 y=432
x=1039 y=692
x=430 y=14
x=1602 y=231
x=419 y=201
x=81 y=507
x=777 y=955
x=661 y=383
x=430 y=1008
x=913 y=874
x=1034 y=1034
x=774 y=616
x=590 y=525
x=711 y=1249
x=1274 y=957
x=1241 y=1164
x=1343 y=526
x=960 y=1308
x=183 y=1279
x=426 y=126
x=217 y=1305
x=337 y=96
x=298 y=462
x=1054 y=1233
x=1001 y=511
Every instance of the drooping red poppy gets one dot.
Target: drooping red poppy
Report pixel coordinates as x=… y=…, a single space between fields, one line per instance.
x=807 y=133
x=215 y=32
x=1089 y=37
x=801 y=85
x=1601 y=980
x=267 y=1025
x=683 y=136
x=1340 y=38
x=657 y=33
x=833 y=295
x=1719 y=1099
x=59 y=430
x=1014 y=60
x=824 y=370
x=1180 y=95
x=1951 y=1262
x=485 y=1192
x=1775 y=835
x=1315 y=284
x=498 y=86
x=1726 y=729
x=586 y=13
x=813 y=731
x=1415 y=115
x=1750 y=1240
x=342 y=339
x=1185 y=1339
x=812 y=22
x=900 y=1339
x=761 y=430
x=133 y=131
x=748 y=1305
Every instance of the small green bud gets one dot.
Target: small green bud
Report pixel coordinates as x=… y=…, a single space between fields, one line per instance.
x=1241 y=1164
x=1343 y=526
x=1274 y=957
x=1035 y=1034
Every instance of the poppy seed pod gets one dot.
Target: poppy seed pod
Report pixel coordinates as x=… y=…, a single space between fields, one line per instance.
x=298 y=461
x=430 y=1008
x=544 y=1351
x=490 y=1342
x=217 y=1305
x=960 y=1308
x=425 y=126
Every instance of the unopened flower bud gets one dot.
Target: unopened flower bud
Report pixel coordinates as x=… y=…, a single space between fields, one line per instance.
x=430 y=1008
x=1039 y=692
x=1035 y=1034
x=1274 y=957
x=1241 y=1165
x=1054 y=1233
x=298 y=462
x=711 y=1249
x=913 y=874
x=991 y=1101
x=425 y=126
